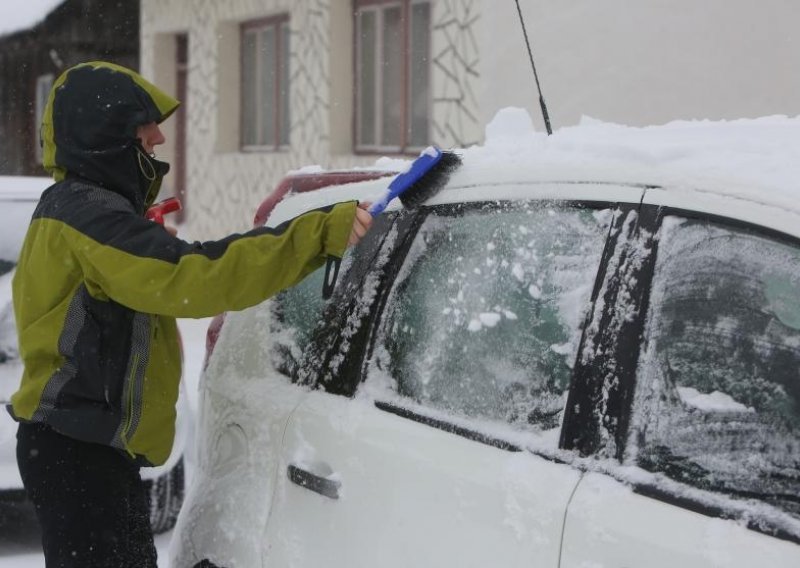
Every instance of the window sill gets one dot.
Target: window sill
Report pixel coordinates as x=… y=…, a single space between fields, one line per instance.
x=264 y=150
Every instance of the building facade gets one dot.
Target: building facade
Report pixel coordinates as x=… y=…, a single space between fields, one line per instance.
x=271 y=87
x=274 y=85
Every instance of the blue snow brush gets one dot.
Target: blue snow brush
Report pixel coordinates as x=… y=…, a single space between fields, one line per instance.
x=427 y=176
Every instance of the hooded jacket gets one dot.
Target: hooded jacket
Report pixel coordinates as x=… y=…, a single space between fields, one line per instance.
x=98 y=286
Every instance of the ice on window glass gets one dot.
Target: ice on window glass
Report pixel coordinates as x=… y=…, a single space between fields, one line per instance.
x=718 y=404
x=297 y=311
x=484 y=318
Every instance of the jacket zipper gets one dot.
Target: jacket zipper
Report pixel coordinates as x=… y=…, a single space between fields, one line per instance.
x=132 y=388
x=129 y=413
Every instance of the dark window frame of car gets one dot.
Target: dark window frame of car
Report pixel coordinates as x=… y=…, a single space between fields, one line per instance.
x=611 y=371
x=392 y=117
x=353 y=370
x=313 y=369
x=260 y=106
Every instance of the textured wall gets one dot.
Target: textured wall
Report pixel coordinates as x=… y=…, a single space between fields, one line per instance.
x=225 y=186
x=456 y=59
x=642 y=63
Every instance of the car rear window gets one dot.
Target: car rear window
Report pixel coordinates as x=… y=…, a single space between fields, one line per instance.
x=718 y=397
x=484 y=318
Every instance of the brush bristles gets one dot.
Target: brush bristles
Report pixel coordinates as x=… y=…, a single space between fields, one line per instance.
x=432 y=182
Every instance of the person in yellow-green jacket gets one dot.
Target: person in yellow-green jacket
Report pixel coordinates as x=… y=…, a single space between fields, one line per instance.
x=96 y=293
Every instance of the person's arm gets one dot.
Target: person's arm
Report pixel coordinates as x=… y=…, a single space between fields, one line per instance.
x=139 y=264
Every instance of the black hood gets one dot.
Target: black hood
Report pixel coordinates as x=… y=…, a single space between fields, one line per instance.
x=89 y=129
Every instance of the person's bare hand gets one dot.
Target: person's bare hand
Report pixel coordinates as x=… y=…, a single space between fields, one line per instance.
x=171 y=230
x=361 y=224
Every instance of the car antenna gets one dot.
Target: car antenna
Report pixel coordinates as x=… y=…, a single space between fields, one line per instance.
x=535 y=75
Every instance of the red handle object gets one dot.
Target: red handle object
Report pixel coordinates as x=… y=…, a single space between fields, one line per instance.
x=156 y=212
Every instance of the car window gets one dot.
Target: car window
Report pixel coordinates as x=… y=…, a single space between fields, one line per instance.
x=484 y=318
x=296 y=312
x=718 y=397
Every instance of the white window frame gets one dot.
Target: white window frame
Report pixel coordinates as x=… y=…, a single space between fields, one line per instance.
x=44 y=84
x=378 y=7
x=280 y=24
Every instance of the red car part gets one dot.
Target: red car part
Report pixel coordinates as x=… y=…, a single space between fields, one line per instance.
x=298 y=183
x=156 y=212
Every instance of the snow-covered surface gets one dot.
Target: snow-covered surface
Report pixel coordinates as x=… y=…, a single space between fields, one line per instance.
x=711 y=402
x=16 y=15
x=18 y=197
x=752 y=160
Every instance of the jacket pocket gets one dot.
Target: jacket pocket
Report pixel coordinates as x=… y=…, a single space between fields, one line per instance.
x=101 y=351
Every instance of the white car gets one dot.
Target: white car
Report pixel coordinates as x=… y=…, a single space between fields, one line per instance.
x=561 y=366
x=165 y=484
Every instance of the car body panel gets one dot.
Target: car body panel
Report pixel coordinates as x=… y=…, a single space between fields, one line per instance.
x=10 y=373
x=599 y=532
x=777 y=215
x=403 y=482
x=238 y=446
x=18 y=199
x=518 y=189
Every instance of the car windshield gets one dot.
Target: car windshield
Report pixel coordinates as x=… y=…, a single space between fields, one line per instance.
x=718 y=404
x=484 y=320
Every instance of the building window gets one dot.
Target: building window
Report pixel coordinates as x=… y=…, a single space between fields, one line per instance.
x=392 y=75
x=265 y=84
x=43 y=86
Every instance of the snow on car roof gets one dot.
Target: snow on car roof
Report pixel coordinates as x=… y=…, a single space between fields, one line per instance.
x=23 y=187
x=18 y=198
x=747 y=160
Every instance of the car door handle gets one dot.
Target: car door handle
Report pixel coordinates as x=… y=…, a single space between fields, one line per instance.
x=324 y=486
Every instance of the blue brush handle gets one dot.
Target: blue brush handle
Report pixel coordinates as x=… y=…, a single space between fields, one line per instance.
x=429 y=157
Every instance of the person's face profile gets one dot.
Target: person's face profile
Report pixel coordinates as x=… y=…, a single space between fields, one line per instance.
x=150 y=136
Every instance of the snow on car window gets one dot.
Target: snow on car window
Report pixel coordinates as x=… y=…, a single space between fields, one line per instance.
x=484 y=319
x=275 y=334
x=718 y=401
x=297 y=311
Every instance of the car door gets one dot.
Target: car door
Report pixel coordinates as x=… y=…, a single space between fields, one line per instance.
x=434 y=441
x=246 y=395
x=706 y=470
